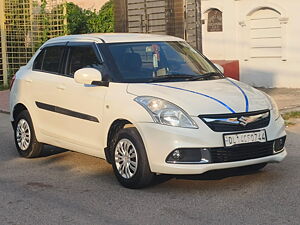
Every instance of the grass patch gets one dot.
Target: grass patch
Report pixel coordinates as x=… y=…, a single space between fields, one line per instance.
x=291 y=115
x=288 y=123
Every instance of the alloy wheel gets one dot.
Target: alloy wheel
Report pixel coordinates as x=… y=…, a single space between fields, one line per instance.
x=126 y=159
x=23 y=134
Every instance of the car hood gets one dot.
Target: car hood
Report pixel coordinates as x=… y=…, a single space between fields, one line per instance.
x=220 y=96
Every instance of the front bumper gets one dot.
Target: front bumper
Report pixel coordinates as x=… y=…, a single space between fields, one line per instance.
x=202 y=168
x=161 y=140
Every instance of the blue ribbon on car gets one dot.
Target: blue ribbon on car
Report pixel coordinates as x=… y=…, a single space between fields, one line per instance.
x=243 y=92
x=210 y=97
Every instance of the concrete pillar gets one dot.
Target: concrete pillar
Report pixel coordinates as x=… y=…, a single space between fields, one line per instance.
x=120 y=8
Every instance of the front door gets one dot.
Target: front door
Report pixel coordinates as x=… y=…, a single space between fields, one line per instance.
x=81 y=106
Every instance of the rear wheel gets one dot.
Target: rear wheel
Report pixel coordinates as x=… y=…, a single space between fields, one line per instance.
x=130 y=161
x=25 y=139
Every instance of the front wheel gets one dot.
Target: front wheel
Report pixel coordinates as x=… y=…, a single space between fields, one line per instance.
x=130 y=162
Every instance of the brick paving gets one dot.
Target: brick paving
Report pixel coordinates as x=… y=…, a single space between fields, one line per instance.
x=4 y=99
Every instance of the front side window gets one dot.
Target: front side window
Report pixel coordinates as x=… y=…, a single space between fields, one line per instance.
x=160 y=61
x=82 y=57
x=52 y=59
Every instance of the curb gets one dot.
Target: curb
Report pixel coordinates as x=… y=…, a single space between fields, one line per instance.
x=292 y=109
x=4 y=112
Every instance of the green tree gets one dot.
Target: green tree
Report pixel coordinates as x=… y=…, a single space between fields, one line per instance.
x=76 y=18
x=81 y=21
x=103 y=21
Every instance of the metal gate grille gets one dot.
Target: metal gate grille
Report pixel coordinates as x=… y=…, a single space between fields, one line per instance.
x=180 y=18
x=147 y=16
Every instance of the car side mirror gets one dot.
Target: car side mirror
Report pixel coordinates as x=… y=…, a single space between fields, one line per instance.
x=89 y=76
x=219 y=67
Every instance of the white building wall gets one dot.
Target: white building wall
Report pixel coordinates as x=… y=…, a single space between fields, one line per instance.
x=273 y=58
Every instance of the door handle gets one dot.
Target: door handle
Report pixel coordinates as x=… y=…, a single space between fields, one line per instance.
x=61 y=87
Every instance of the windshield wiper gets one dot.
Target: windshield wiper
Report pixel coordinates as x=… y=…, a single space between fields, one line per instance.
x=189 y=77
x=205 y=76
x=171 y=77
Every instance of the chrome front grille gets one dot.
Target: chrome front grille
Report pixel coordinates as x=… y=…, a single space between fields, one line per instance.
x=237 y=121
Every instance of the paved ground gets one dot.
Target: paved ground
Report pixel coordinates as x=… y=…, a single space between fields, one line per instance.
x=70 y=188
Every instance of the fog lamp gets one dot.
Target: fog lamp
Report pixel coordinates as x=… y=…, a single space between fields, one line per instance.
x=177 y=155
x=279 y=144
x=188 y=155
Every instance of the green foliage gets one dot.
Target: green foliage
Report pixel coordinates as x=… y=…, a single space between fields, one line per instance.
x=45 y=22
x=81 y=21
x=291 y=115
x=103 y=21
x=3 y=87
x=76 y=18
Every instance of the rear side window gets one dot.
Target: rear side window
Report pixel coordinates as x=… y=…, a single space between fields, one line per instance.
x=82 y=57
x=49 y=59
x=38 y=62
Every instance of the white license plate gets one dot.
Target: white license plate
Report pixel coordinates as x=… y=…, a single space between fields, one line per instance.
x=244 y=138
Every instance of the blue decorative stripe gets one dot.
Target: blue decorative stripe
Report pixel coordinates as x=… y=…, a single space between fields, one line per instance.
x=198 y=93
x=245 y=96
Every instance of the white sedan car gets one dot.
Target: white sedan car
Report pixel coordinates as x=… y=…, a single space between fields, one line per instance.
x=148 y=104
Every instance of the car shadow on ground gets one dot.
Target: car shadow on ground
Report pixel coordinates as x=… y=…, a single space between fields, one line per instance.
x=50 y=150
x=218 y=174
x=210 y=175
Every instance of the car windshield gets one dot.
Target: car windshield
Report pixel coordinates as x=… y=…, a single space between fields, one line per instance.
x=161 y=62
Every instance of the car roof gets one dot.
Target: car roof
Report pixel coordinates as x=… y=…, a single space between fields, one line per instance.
x=114 y=38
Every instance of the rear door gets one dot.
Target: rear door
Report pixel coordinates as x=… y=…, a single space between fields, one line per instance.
x=44 y=82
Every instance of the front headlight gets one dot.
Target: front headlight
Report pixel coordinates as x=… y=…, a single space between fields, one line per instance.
x=164 y=112
x=274 y=107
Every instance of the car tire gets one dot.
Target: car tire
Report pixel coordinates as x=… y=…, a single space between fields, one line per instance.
x=129 y=160
x=255 y=167
x=25 y=139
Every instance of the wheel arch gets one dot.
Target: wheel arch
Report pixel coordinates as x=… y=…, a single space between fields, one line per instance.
x=17 y=109
x=114 y=128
